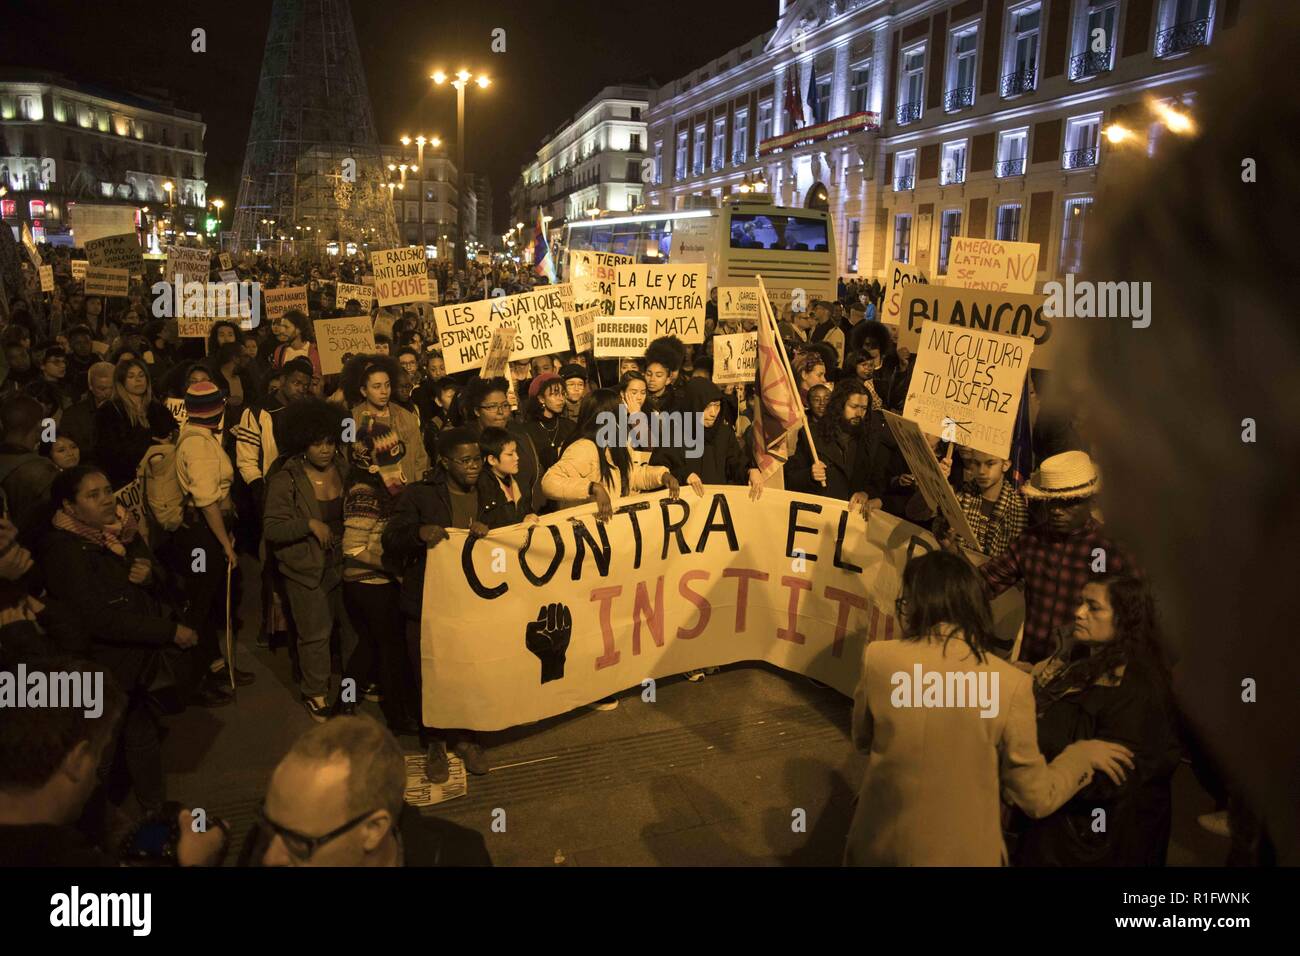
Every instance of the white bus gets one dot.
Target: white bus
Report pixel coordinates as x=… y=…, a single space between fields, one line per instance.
x=790 y=248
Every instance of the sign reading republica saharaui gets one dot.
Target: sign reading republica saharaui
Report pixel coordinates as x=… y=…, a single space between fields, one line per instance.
x=580 y=610
x=992 y=265
x=122 y=252
x=192 y=264
x=401 y=275
x=737 y=302
x=336 y=338
x=364 y=294
x=106 y=281
x=465 y=330
x=735 y=358
x=284 y=299
x=898 y=276
x=924 y=467
x=671 y=297
x=592 y=275
x=966 y=384
x=1006 y=312
x=621 y=338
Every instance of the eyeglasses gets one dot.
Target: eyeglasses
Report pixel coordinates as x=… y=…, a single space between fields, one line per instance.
x=300 y=846
x=494 y=407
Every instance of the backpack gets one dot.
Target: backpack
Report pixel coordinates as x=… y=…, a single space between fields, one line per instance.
x=161 y=486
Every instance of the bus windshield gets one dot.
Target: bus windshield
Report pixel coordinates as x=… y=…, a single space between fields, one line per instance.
x=788 y=233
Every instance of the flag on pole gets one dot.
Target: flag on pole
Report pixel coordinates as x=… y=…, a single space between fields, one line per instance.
x=543 y=263
x=793 y=102
x=814 y=100
x=776 y=412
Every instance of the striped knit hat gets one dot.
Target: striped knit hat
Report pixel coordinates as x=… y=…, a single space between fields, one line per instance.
x=205 y=403
x=380 y=451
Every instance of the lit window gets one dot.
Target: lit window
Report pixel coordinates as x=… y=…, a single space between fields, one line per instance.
x=905 y=171
x=961 y=72
x=860 y=88
x=949 y=226
x=1184 y=26
x=1022 y=51
x=1093 y=48
x=740 y=138
x=1076 y=216
x=902 y=236
x=1012 y=147
x=952 y=167
x=911 y=85
x=1082 y=142
x=1008 y=222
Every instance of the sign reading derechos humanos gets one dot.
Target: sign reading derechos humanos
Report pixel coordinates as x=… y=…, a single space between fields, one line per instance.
x=671 y=297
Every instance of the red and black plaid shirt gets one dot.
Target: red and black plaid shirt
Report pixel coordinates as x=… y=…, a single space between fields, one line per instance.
x=1053 y=569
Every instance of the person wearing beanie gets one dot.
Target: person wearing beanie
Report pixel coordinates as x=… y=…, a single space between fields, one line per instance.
x=371 y=592
x=575 y=387
x=205 y=472
x=544 y=419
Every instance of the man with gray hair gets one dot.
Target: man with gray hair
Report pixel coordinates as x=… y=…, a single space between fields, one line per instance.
x=78 y=418
x=336 y=799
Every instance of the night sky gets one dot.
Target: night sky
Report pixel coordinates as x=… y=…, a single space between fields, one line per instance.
x=559 y=54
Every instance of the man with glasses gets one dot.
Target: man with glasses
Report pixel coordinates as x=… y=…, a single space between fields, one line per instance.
x=336 y=800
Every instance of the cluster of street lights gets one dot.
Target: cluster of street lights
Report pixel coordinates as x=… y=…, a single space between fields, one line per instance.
x=459 y=82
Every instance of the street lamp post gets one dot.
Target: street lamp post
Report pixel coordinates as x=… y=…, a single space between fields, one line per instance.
x=461 y=80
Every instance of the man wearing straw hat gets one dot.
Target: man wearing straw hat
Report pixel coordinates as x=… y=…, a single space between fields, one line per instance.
x=1059 y=553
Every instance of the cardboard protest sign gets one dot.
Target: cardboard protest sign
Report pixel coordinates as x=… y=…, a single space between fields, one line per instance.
x=592 y=275
x=177 y=407
x=671 y=297
x=1006 y=312
x=735 y=358
x=498 y=354
x=192 y=264
x=279 y=301
x=29 y=244
x=336 y=338
x=121 y=252
x=583 y=326
x=195 y=327
x=465 y=330
x=228 y=275
x=131 y=497
x=106 y=281
x=79 y=270
x=225 y=262
x=364 y=294
x=897 y=277
x=420 y=792
x=737 y=302
x=621 y=338
x=693 y=583
x=966 y=386
x=934 y=487
x=91 y=221
x=992 y=265
x=46 y=274
x=401 y=275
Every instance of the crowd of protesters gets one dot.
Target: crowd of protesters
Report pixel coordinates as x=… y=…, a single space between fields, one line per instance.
x=250 y=467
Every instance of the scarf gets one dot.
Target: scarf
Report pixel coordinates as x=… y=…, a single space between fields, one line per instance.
x=114 y=537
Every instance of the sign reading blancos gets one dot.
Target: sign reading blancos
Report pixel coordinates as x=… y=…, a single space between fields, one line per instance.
x=737 y=302
x=401 y=275
x=992 y=265
x=336 y=338
x=1006 y=312
x=966 y=384
x=671 y=297
x=735 y=358
x=593 y=276
x=465 y=330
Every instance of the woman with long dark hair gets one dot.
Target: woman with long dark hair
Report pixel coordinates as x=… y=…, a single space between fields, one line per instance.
x=129 y=423
x=1107 y=679
x=368 y=383
x=947 y=727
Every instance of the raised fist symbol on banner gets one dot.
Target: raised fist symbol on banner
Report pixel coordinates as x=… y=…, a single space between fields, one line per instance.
x=548 y=638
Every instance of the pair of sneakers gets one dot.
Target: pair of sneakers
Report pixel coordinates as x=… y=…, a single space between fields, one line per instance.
x=438 y=767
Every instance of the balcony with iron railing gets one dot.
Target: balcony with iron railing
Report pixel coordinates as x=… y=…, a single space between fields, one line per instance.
x=959 y=99
x=1019 y=82
x=718 y=162
x=1080 y=158
x=739 y=157
x=903 y=183
x=1009 y=167
x=908 y=112
x=1090 y=63
x=1182 y=37
x=952 y=177
x=697 y=168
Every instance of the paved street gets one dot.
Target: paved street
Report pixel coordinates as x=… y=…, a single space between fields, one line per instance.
x=710 y=774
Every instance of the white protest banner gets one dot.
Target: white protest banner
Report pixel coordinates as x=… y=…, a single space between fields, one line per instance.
x=79 y=270
x=401 y=275
x=735 y=358
x=621 y=338
x=122 y=252
x=46 y=274
x=966 y=386
x=924 y=467
x=1007 y=312
x=898 y=275
x=226 y=264
x=671 y=297
x=465 y=330
x=583 y=325
x=737 y=302
x=581 y=610
x=364 y=294
x=106 y=281
x=192 y=264
x=992 y=265
x=279 y=301
x=336 y=338
x=592 y=275
x=29 y=243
